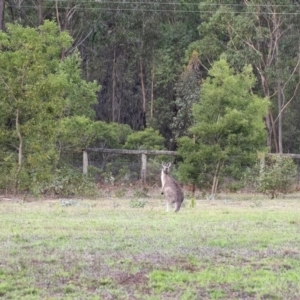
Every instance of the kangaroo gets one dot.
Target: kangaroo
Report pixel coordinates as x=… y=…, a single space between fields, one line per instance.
x=171 y=188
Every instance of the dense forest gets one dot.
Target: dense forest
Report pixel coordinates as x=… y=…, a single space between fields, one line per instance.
x=216 y=78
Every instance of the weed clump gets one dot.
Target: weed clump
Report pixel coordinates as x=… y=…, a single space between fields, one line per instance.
x=137 y=203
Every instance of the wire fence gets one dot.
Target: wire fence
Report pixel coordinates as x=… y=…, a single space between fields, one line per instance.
x=125 y=169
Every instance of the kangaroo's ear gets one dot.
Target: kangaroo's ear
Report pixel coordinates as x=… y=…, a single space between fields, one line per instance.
x=169 y=165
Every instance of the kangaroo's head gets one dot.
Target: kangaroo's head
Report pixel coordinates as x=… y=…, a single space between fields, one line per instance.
x=166 y=167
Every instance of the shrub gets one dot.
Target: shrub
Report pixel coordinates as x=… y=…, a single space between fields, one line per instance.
x=276 y=175
x=71 y=182
x=141 y=193
x=137 y=203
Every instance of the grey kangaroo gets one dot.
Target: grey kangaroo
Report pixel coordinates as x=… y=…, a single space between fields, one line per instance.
x=171 y=188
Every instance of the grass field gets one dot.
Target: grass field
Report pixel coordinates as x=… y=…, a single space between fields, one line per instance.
x=117 y=249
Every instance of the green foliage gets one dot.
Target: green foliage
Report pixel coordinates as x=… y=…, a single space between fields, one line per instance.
x=138 y=203
x=79 y=94
x=154 y=167
x=76 y=132
x=122 y=39
x=147 y=139
x=187 y=94
x=108 y=176
x=261 y=34
x=277 y=175
x=168 y=60
x=140 y=196
x=38 y=89
x=80 y=132
x=111 y=135
x=120 y=193
x=70 y=182
x=8 y=170
x=141 y=193
x=228 y=129
x=192 y=202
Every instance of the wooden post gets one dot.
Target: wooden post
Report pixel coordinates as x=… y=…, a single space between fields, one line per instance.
x=85 y=161
x=262 y=161
x=144 y=168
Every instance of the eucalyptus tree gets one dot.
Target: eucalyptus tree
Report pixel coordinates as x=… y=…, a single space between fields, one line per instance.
x=174 y=70
x=135 y=50
x=187 y=94
x=265 y=35
x=228 y=128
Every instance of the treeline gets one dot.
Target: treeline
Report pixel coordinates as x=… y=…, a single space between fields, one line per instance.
x=219 y=79
x=135 y=51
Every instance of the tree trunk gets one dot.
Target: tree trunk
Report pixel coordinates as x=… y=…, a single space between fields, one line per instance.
x=57 y=15
x=19 y=11
x=143 y=94
x=279 y=86
x=152 y=94
x=214 y=187
x=20 y=151
x=120 y=104
x=2 y=6
x=113 y=87
x=269 y=118
x=274 y=132
x=40 y=11
x=279 y=100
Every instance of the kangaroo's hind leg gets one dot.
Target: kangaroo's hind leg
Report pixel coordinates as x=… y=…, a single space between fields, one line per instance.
x=167 y=206
x=177 y=206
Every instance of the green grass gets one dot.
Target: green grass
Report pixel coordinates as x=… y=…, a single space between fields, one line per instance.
x=111 y=249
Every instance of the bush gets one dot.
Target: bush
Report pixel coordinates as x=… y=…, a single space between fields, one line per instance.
x=137 y=203
x=146 y=139
x=277 y=175
x=71 y=182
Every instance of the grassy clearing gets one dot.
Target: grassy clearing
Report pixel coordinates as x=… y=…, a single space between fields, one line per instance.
x=112 y=249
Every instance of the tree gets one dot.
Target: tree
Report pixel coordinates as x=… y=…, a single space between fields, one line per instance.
x=79 y=132
x=265 y=35
x=228 y=129
x=37 y=90
x=135 y=51
x=146 y=139
x=187 y=93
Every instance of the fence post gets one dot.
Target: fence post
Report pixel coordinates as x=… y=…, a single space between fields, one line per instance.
x=85 y=162
x=144 y=168
x=262 y=161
